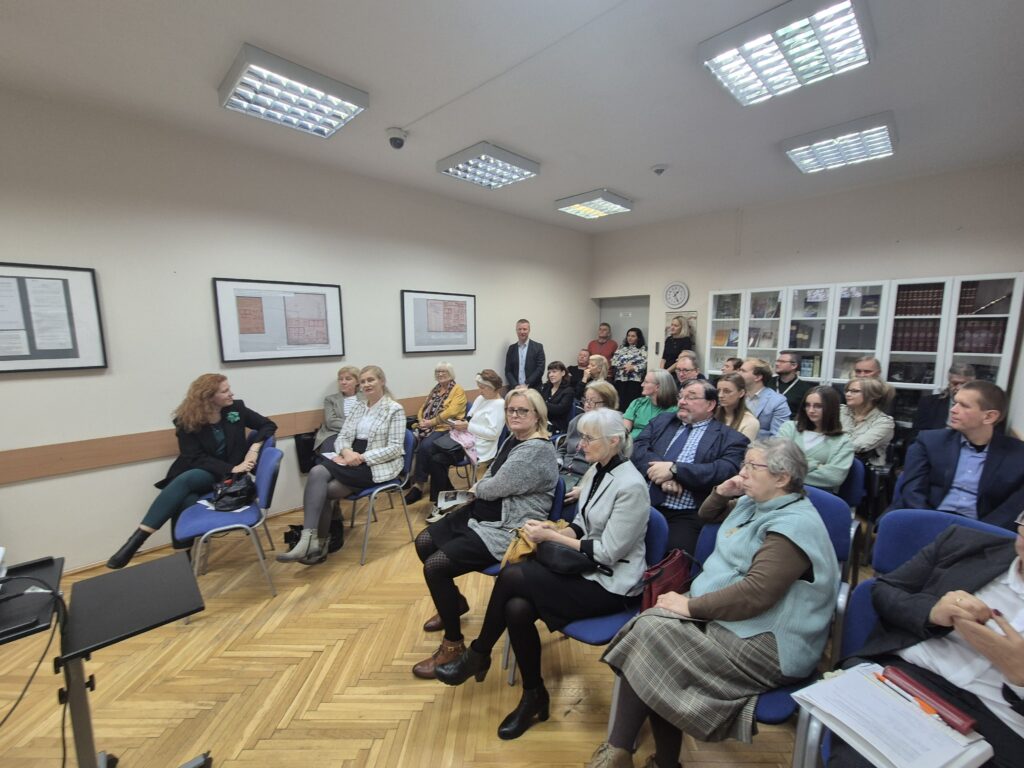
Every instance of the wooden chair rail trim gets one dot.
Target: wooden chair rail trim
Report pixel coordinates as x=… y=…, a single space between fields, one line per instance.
x=21 y=464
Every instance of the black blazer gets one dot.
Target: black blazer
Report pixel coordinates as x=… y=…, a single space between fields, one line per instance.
x=534 y=364
x=931 y=464
x=959 y=558
x=719 y=455
x=932 y=412
x=197 y=450
x=560 y=406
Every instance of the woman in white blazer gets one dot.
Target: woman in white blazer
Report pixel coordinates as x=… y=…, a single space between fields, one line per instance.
x=369 y=451
x=609 y=529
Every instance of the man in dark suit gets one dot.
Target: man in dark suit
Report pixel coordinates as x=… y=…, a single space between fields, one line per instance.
x=971 y=469
x=524 y=361
x=684 y=455
x=946 y=619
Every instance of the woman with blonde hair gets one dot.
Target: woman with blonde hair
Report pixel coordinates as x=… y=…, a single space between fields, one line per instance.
x=210 y=425
x=368 y=451
x=445 y=403
x=679 y=338
x=337 y=407
x=732 y=406
x=597 y=369
x=868 y=427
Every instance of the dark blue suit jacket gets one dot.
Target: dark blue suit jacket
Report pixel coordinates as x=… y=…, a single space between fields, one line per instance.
x=534 y=365
x=931 y=465
x=719 y=455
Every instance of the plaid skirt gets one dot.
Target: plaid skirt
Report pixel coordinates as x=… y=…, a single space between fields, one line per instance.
x=699 y=676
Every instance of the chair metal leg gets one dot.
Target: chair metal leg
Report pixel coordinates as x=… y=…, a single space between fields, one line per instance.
x=266 y=530
x=807 y=742
x=405 y=509
x=366 y=533
x=254 y=534
x=509 y=659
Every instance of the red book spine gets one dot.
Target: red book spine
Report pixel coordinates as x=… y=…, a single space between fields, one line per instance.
x=951 y=716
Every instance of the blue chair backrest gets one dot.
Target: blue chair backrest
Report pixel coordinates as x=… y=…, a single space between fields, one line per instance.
x=860 y=619
x=266 y=475
x=902 y=533
x=270 y=442
x=410 y=452
x=706 y=542
x=835 y=513
x=852 y=490
x=656 y=539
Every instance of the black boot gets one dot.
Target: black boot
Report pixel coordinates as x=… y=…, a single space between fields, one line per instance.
x=120 y=558
x=468 y=665
x=336 y=538
x=535 y=702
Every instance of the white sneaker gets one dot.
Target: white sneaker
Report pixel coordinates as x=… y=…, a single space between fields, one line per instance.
x=436 y=515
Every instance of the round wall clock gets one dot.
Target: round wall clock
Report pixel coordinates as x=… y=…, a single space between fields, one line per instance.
x=676 y=295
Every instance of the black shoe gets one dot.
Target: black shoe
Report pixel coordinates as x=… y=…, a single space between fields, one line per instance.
x=535 y=703
x=469 y=664
x=336 y=537
x=413 y=496
x=122 y=557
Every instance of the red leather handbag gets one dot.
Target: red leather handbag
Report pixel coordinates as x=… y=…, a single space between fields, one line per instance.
x=673 y=574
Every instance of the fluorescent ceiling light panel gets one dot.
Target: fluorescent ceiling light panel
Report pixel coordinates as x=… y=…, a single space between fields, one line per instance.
x=868 y=138
x=594 y=205
x=488 y=166
x=266 y=86
x=795 y=44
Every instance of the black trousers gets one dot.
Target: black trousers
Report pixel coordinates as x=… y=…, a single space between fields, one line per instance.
x=683 y=528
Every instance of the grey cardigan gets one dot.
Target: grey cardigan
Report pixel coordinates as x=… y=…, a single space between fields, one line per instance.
x=334 y=417
x=525 y=484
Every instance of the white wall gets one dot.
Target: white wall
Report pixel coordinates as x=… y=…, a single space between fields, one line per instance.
x=968 y=222
x=158 y=213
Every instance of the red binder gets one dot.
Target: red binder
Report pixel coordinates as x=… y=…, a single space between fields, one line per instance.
x=951 y=716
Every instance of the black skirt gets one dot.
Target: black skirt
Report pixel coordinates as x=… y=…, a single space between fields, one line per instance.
x=563 y=598
x=453 y=536
x=352 y=477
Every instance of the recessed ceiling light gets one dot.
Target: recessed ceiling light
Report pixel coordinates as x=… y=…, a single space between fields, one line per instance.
x=869 y=138
x=488 y=166
x=266 y=86
x=795 y=44
x=594 y=205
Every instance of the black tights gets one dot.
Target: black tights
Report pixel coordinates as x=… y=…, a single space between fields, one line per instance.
x=439 y=571
x=630 y=713
x=510 y=608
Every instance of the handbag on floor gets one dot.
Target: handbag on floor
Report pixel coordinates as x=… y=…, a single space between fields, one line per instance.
x=673 y=574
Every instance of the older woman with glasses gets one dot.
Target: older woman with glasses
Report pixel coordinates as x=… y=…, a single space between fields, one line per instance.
x=868 y=428
x=609 y=530
x=519 y=485
x=819 y=434
x=572 y=463
x=445 y=403
x=756 y=616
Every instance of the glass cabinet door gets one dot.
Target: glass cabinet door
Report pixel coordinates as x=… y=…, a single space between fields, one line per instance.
x=858 y=326
x=724 y=328
x=808 y=326
x=915 y=343
x=982 y=320
x=763 y=318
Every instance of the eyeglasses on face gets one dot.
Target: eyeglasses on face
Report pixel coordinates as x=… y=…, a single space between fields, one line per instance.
x=686 y=370
x=852 y=391
x=588 y=439
x=518 y=412
x=752 y=465
x=786 y=360
x=592 y=401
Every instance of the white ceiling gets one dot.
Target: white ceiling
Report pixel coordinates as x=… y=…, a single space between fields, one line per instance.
x=597 y=91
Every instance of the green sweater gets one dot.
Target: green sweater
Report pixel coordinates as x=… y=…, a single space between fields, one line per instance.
x=641 y=411
x=828 y=462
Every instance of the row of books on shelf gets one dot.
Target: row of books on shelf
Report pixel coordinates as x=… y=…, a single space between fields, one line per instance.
x=980 y=336
x=868 y=306
x=925 y=299
x=804 y=335
x=911 y=372
x=856 y=335
x=915 y=336
x=726 y=337
x=765 y=306
x=761 y=338
x=810 y=366
x=989 y=297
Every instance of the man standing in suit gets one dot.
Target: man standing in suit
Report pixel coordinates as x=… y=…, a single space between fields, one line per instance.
x=684 y=455
x=971 y=469
x=524 y=361
x=950 y=619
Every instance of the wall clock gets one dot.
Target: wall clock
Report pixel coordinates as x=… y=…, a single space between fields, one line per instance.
x=676 y=295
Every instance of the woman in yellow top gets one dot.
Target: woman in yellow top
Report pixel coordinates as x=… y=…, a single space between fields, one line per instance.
x=445 y=403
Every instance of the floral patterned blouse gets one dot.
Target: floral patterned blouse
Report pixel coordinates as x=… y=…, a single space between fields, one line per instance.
x=637 y=356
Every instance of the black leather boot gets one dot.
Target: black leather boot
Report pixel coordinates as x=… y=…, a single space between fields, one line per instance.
x=122 y=557
x=469 y=664
x=336 y=537
x=535 y=703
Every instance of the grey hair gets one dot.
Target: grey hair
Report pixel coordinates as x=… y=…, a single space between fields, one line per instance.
x=783 y=457
x=608 y=423
x=447 y=366
x=962 y=369
x=668 y=391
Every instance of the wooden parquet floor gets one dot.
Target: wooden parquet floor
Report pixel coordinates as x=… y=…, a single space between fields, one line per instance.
x=320 y=676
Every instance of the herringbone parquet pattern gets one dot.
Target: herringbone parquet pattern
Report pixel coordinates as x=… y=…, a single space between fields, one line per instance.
x=320 y=676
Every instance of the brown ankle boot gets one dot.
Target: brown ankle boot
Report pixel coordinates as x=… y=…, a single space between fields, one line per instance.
x=446 y=652
x=434 y=623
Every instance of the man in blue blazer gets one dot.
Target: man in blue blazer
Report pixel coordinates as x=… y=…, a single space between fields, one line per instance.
x=684 y=455
x=971 y=469
x=524 y=361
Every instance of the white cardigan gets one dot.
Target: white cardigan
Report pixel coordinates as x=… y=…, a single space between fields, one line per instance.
x=486 y=418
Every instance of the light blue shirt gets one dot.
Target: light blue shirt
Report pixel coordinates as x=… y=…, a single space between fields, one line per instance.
x=962 y=498
x=687 y=453
x=522 y=361
x=771 y=409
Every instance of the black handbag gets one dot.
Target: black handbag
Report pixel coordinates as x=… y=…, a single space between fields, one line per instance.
x=561 y=558
x=234 y=492
x=447 y=445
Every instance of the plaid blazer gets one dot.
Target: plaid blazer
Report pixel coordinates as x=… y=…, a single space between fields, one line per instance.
x=385 y=445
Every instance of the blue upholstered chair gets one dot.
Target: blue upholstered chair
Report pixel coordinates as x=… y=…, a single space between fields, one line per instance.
x=200 y=523
x=394 y=485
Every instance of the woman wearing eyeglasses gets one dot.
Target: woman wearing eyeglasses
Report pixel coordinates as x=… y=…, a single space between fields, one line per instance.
x=519 y=485
x=609 y=530
x=867 y=426
x=445 y=403
x=572 y=463
x=820 y=436
x=756 y=616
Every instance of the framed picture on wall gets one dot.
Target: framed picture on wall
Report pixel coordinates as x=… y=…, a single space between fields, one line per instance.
x=272 y=320
x=438 y=322
x=49 y=319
